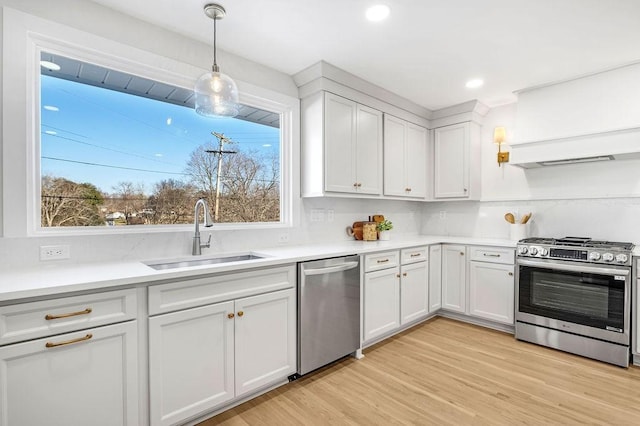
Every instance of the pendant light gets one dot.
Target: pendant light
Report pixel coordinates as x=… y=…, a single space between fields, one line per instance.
x=216 y=93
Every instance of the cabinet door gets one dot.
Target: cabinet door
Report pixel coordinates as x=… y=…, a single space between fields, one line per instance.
x=435 y=278
x=369 y=150
x=91 y=378
x=394 y=156
x=340 y=144
x=190 y=362
x=265 y=346
x=416 y=161
x=414 y=289
x=381 y=302
x=454 y=278
x=491 y=291
x=452 y=144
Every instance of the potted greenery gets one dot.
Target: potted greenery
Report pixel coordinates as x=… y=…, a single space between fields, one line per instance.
x=383 y=229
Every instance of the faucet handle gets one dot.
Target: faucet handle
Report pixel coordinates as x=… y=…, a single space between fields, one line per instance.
x=208 y=243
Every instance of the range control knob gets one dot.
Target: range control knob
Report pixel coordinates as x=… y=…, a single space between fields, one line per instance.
x=594 y=255
x=544 y=251
x=523 y=250
x=607 y=257
x=533 y=251
x=621 y=258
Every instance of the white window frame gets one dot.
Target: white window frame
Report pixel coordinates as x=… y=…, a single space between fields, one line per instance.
x=25 y=36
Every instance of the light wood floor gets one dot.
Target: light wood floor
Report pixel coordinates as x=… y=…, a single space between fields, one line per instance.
x=445 y=372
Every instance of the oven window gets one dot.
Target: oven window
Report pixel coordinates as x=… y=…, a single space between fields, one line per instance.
x=592 y=300
x=580 y=295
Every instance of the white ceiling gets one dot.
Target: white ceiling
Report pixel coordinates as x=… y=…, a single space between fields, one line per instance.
x=427 y=49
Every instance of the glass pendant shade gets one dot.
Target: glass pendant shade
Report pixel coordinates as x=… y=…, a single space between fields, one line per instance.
x=216 y=95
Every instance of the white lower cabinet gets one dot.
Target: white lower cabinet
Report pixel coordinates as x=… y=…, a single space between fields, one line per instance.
x=85 y=377
x=396 y=295
x=491 y=291
x=381 y=302
x=482 y=286
x=435 y=277
x=414 y=291
x=454 y=278
x=203 y=357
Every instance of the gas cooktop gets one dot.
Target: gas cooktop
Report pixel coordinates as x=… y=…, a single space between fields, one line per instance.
x=581 y=249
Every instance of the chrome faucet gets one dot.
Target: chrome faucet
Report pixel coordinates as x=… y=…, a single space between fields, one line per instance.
x=208 y=222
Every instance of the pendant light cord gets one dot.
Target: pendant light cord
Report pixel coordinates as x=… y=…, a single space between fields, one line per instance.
x=215 y=63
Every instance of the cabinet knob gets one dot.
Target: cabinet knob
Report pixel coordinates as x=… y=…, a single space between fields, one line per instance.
x=404 y=274
x=465 y=190
x=240 y=313
x=510 y=274
x=230 y=315
x=359 y=185
x=461 y=253
x=407 y=189
x=355 y=185
x=397 y=275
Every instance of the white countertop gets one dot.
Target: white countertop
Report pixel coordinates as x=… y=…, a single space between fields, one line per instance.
x=55 y=279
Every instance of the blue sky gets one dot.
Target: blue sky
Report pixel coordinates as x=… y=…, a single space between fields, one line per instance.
x=85 y=126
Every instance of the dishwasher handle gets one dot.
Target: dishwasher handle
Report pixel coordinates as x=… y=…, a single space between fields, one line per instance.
x=331 y=269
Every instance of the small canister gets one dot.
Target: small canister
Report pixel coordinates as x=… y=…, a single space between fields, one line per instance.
x=369 y=232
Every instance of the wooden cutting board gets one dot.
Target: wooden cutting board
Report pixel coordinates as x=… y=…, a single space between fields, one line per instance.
x=357 y=230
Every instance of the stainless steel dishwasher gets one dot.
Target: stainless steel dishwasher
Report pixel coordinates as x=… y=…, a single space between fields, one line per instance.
x=328 y=311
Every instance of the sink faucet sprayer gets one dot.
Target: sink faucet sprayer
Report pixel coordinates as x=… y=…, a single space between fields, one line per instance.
x=208 y=222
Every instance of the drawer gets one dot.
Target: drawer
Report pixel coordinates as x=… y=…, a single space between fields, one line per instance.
x=413 y=255
x=185 y=294
x=384 y=260
x=493 y=254
x=48 y=317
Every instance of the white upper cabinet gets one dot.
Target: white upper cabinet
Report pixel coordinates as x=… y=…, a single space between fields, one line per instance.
x=457 y=161
x=405 y=158
x=341 y=147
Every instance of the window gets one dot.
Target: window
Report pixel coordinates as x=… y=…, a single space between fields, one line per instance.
x=119 y=150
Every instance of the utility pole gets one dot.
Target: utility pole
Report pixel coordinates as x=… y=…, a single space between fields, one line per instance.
x=222 y=139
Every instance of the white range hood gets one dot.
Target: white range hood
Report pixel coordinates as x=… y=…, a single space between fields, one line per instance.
x=587 y=119
x=606 y=146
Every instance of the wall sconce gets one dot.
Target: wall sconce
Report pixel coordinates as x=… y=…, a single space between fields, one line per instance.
x=499 y=134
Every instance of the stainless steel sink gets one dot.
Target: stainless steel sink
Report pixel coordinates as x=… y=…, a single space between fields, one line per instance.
x=187 y=263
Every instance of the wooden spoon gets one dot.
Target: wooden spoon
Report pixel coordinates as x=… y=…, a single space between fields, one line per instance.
x=525 y=218
x=510 y=218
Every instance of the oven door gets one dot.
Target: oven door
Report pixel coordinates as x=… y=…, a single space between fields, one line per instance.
x=578 y=298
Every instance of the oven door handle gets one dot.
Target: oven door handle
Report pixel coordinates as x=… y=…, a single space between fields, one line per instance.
x=587 y=269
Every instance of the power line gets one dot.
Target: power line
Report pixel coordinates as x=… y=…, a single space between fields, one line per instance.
x=114 y=167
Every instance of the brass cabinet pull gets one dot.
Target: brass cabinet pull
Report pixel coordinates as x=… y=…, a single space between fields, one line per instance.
x=240 y=313
x=490 y=255
x=69 y=342
x=416 y=254
x=397 y=275
x=404 y=274
x=231 y=315
x=355 y=185
x=407 y=189
x=49 y=317
x=383 y=260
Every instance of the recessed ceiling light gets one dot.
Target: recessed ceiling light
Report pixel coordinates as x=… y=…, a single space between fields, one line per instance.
x=377 y=13
x=50 y=65
x=474 y=84
x=51 y=108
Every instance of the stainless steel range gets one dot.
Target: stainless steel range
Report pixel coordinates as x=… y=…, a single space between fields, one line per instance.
x=574 y=294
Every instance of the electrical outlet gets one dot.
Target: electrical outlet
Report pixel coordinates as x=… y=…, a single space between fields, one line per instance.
x=330 y=215
x=55 y=252
x=443 y=214
x=283 y=238
x=317 y=215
